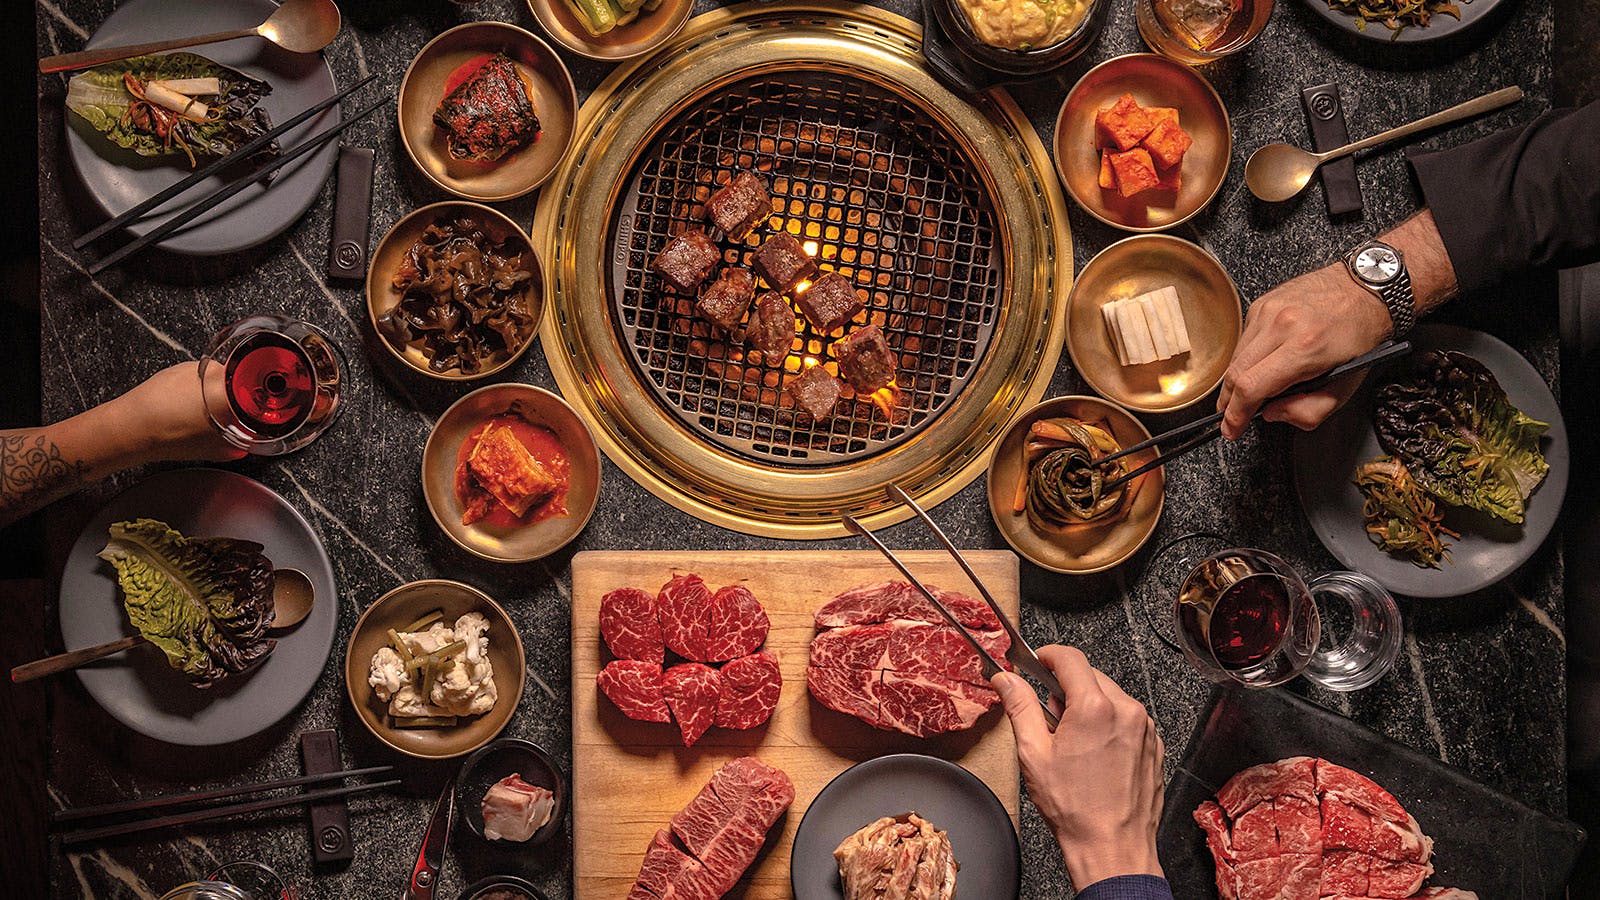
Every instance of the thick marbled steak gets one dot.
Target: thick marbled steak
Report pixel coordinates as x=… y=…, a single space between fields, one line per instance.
x=1304 y=829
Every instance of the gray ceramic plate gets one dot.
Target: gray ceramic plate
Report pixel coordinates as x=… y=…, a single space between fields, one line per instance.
x=1325 y=461
x=138 y=687
x=953 y=799
x=116 y=179
x=1438 y=29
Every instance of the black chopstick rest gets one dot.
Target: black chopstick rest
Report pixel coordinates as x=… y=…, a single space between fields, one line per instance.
x=1325 y=115
x=352 y=214
x=329 y=819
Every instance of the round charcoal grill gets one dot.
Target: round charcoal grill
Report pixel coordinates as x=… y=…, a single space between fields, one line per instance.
x=876 y=190
x=942 y=210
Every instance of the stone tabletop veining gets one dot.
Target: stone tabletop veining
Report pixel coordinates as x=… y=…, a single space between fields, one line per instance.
x=1480 y=679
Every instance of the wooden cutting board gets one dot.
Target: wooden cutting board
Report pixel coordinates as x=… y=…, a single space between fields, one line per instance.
x=629 y=778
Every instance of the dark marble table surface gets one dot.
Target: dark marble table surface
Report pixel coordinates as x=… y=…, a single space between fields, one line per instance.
x=1479 y=683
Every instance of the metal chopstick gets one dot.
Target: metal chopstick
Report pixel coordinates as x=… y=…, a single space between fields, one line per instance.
x=78 y=814
x=1024 y=658
x=1382 y=352
x=991 y=668
x=213 y=168
x=1161 y=459
x=202 y=815
x=217 y=196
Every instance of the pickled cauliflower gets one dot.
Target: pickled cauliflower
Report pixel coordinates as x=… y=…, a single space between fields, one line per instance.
x=1023 y=24
x=438 y=671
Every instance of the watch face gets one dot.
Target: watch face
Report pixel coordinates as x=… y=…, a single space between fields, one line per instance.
x=1377 y=265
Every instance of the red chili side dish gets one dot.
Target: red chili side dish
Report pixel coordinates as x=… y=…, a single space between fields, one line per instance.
x=511 y=472
x=487 y=111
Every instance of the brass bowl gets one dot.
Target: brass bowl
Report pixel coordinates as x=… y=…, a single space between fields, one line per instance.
x=523 y=543
x=1211 y=311
x=555 y=101
x=382 y=296
x=1089 y=550
x=404 y=605
x=642 y=35
x=1153 y=81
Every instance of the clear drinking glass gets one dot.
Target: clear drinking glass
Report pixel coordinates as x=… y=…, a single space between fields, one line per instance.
x=271 y=383
x=1246 y=616
x=1196 y=32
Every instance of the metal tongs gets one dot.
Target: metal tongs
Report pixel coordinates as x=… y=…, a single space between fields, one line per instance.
x=1020 y=654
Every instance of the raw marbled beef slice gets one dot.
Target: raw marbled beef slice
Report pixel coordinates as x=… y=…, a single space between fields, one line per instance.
x=736 y=624
x=1211 y=820
x=682 y=605
x=1391 y=878
x=1345 y=872
x=725 y=825
x=851 y=691
x=635 y=686
x=1293 y=777
x=691 y=692
x=630 y=625
x=1255 y=834
x=927 y=704
x=748 y=690
x=1299 y=825
x=897 y=600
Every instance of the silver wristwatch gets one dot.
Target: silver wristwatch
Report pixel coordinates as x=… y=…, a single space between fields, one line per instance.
x=1381 y=269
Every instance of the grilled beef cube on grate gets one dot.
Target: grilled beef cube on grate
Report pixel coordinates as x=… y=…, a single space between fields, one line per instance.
x=782 y=262
x=724 y=301
x=771 y=326
x=686 y=260
x=740 y=205
x=815 y=391
x=489 y=114
x=865 y=360
x=830 y=302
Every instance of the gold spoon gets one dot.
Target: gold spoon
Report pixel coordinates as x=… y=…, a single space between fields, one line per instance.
x=292 y=598
x=299 y=26
x=1279 y=172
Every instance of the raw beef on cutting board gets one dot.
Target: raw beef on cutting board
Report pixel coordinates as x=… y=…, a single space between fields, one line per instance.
x=717 y=836
x=702 y=627
x=884 y=655
x=1304 y=829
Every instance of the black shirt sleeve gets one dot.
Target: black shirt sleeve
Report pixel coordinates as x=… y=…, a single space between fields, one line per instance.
x=1524 y=198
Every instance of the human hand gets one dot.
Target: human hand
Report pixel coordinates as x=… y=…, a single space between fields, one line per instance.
x=1297 y=331
x=1096 y=779
x=164 y=418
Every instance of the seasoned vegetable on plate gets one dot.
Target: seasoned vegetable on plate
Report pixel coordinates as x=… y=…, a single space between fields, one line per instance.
x=1401 y=517
x=172 y=105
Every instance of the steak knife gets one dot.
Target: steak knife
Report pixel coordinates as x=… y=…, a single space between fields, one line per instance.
x=430 y=858
x=991 y=667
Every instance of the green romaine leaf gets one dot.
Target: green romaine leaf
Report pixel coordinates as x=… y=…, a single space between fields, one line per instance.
x=100 y=97
x=1463 y=441
x=206 y=602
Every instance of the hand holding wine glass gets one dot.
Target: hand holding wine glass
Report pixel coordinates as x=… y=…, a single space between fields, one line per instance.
x=165 y=417
x=1097 y=778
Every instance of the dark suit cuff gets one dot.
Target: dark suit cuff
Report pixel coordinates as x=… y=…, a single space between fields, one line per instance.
x=1469 y=225
x=1128 y=887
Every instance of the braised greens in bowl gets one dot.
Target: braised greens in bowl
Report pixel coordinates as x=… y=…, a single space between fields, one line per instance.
x=175 y=105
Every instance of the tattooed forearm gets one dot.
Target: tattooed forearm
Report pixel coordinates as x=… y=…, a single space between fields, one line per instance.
x=33 y=473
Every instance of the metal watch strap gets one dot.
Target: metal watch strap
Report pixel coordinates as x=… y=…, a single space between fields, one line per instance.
x=1402 y=303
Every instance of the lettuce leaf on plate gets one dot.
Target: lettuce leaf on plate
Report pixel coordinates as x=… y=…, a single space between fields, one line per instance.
x=206 y=602
x=1460 y=437
x=100 y=97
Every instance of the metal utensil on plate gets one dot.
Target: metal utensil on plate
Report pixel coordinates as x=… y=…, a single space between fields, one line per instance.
x=299 y=26
x=430 y=856
x=1279 y=172
x=1020 y=654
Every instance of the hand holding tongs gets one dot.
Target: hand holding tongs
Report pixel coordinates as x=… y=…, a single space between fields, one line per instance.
x=1020 y=653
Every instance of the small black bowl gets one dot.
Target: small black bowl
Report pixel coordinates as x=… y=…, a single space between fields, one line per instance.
x=495 y=761
x=481 y=889
x=1016 y=64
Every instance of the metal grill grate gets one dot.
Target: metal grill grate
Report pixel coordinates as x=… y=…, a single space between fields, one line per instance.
x=876 y=190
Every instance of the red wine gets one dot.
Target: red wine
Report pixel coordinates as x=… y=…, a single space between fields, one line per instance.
x=270 y=385
x=1249 y=620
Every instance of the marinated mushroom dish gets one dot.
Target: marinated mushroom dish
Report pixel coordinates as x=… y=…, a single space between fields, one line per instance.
x=464 y=297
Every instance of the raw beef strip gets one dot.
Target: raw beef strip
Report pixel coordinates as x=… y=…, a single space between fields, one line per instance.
x=853 y=692
x=1345 y=872
x=1359 y=791
x=921 y=705
x=736 y=624
x=898 y=600
x=635 y=686
x=1388 y=878
x=691 y=690
x=1401 y=841
x=1344 y=827
x=629 y=623
x=748 y=690
x=1209 y=817
x=1293 y=777
x=1299 y=825
x=717 y=836
x=682 y=605
x=910 y=647
x=1255 y=834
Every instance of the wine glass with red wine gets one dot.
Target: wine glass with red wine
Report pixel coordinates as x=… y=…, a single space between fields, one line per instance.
x=1246 y=616
x=271 y=383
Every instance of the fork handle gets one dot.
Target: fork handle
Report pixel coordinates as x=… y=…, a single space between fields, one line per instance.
x=64 y=62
